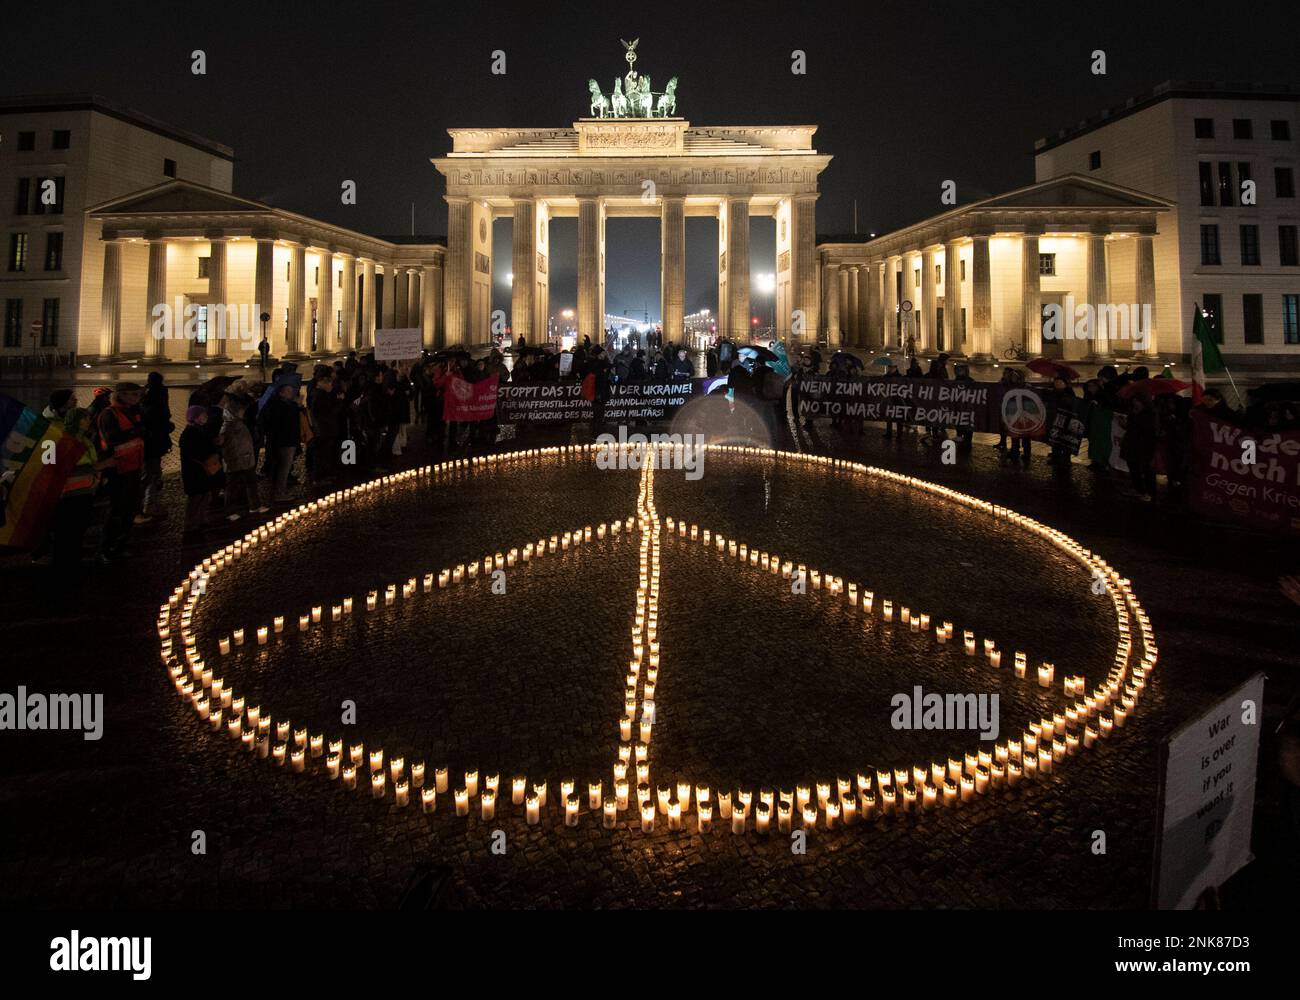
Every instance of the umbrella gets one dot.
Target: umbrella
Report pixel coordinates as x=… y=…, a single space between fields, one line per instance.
x=852 y=359
x=1153 y=387
x=210 y=392
x=1275 y=392
x=284 y=378
x=1051 y=369
x=885 y=361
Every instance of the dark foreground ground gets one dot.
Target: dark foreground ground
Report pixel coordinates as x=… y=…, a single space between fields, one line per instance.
x=757 y=688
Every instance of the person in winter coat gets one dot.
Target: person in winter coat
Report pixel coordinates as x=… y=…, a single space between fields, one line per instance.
x=1062 y=398
x=326 y=423
x=200 y=462
x=283 y=435
x=1138 y=449
x=240 y=459
x=121 y=437
x=682 y=367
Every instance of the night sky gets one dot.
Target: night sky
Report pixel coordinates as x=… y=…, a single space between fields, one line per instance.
x=906 y=95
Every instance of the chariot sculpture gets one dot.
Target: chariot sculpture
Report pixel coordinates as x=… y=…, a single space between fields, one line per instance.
x=632 y=96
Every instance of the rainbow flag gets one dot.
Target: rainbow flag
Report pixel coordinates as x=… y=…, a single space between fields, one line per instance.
x=38 y=451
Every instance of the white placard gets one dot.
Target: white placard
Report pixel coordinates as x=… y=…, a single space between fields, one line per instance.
x=566 y=363
x=1208 y=798
x=398 y=345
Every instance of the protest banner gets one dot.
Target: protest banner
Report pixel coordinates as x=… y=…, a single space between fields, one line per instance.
x=1250 y=477
x=398 y=345
x=469 y=401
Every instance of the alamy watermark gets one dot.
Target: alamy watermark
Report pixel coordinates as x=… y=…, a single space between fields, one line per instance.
x=221 y=321
x=919 y=710
x=1088 y=321
x=54 y=711
x=682 y=452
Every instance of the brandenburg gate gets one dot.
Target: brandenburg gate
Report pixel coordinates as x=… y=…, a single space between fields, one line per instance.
x=631 y=157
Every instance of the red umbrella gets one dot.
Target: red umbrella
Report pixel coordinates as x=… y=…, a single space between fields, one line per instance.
x=1051 y=369
x=1153 y=387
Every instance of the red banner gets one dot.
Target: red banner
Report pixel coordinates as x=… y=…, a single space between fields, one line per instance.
x=468 y=401
x=1244 y=475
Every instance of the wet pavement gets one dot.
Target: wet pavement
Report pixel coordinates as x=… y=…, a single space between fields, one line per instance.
x=759 y=687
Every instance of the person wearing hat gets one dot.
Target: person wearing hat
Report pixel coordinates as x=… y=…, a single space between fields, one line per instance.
x=62 y=401
x=121 y=437
x=156 y=422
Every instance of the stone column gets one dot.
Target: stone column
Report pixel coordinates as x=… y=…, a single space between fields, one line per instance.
x=220 y=326
x=841 y=291
x=264 y=289
x=429 y=286
x=110 y=303
x=590 y=321
x=414 y=314
x=911 y=294
x=738 y=268
x=929 y=302
x=299 y=318
x=367 y=304
x=864 y=306
x=1098 y=295
x=1031 y=295
x=832 y=282
x=672 y=294
x=803 y=228
x=875 y=306
x=388 y=306
x=1145 y=266
x=524 y=261
x=456 y=273
x=156 y=295
x=890 y=279
x=327 y=336
x=401 y=296
x=981 y=314
x=348 y=304
x=854 y=322
x=952 y=299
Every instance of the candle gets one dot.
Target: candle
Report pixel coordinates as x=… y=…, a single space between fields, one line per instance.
x=738 y=818
x=317 y=745
x=703 y=818
x=441 y=781
x=333 y=764
x=809 y=816
x=533 y=809
x=488 y=804
x=647 y=818
x=302 y=623
x=571 y=811
x=417 y=774
x=462 y=801
x=540 y=791
x=518 y=789
x=224 y=645
x=724 y=805
x=349 y=776
x=609 y=811
x=762 y=817
x=396 y=766
x=261 y=635
x=471 y=783
x=377 y=781
x=402 y=793
x=665 y=794
x=376 y=760
x=594 y=790
x=428 y=800
x=278 y=623
x=239 y=637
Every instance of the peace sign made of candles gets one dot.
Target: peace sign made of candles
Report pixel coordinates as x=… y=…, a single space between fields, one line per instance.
x=1085 y=716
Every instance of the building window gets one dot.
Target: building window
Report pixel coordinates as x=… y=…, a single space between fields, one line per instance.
x=1212 y=307
x=13 y=322
x=1047 y=263
x=1210 y=245
x=62 y=139
x=1094 y=160
x=18 y=251
x=1244 y=174
x=1280 y=128
x=340 y=279
x=1207 y=183
x=169 y=168
x=938 y=274
x=201 y=325
x=1242 y=128
x=288 y=265
x=204 y=264
x=916 y=278
x=1204 y=128
x=1283 y=182
x=1287 y=253
x=1291 y=319
x=50 y=323
x=963 y=269
x=43 y=185
x=54 y=251
x=1227 y=193
x=316 y=280
x=1250 y=245
x=23 y=196
x=1252 y=318
x=26 y=142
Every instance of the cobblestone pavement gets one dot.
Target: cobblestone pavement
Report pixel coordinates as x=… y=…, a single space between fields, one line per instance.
x=757 y=686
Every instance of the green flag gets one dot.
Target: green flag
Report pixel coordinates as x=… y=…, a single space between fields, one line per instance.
x=1211 y=361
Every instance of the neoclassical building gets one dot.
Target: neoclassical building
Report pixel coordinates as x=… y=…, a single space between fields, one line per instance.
x=975 y=280
x=188 y=248
x=603 y=167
